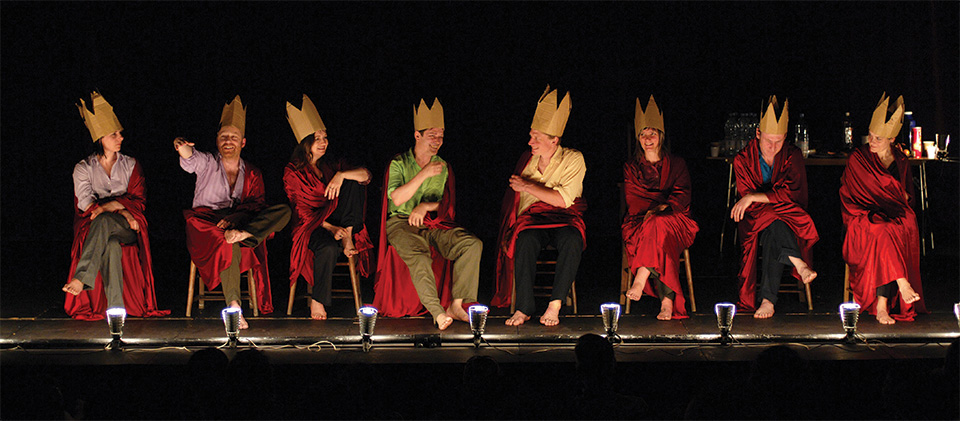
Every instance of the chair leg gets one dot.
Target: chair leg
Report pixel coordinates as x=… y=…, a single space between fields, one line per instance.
x=354 y=281
x=513 y=298
x=200 y=292
x=573 y=293
x=686 y=263
x=252 y=287
x=624 y=275
x=809 y=297
x=846 y=283
x=192 y=278
x=624 y=293
x=293 y=292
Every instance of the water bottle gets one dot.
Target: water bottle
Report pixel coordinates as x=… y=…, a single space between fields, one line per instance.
x=803 y=137
x=730 y=133
x=847 y=132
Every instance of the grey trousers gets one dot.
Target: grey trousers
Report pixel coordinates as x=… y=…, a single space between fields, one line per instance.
x=102 y=254
x=268 y=221
x=457 y=245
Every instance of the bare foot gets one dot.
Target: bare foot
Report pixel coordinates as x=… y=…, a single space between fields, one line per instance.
x=236 y=236
x=517 y=319
x=349 y=249
x=551 y=317
x=74 y=286
x=317 y=311
x=906 y=291
x=807 y=274
x=765 y=311
x=666 y=309
x=243 y=322
x=456 y=311
x=639 y=282
x=443 y=321
x=884 y=318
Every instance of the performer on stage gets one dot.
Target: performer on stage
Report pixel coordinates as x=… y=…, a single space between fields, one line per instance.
x=543 y=206
x=657 y=227
x=229 y=211
x=109 y=196
x=329 y=198
x=772 y=184
x=882 y=242
x=418 y=215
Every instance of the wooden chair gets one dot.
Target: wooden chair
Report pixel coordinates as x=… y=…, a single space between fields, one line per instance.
x=846 y=283
x=791 y=286
x=626 y=280
x=351 y=273
x=201 y=295
x=545 y=267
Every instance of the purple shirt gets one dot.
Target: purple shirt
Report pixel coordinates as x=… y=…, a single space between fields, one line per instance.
x=213 y=187
x=91 y=182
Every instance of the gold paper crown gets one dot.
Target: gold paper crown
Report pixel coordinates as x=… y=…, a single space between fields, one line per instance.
x=550 y=118
x=234 y=114
x=879 y=125
x=304 y=121
x=768 y=120
x=428 y=118
x=102 y=121
x=652 y=118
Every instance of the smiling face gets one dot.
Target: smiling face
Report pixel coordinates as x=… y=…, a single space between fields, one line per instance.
x=319 y=146
x=542 y=143
x=880 y=145
x=650 y=140
x=429 y=142
x=111 y=142
x=230 y=142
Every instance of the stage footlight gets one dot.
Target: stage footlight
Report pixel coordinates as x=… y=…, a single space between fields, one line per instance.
x=368 y=319
x=231 y=323
x=849 y=314
x=610 y=312
x=478 y=321
x=115 y=318
x=725 y=313
x=956 y=312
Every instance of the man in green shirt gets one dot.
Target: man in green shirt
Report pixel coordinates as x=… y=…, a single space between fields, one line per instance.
x=418 y=218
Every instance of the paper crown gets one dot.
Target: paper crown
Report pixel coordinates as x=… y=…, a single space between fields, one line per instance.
x=550 y=118
x=652 y=118
x=234 y=114
x=428 y=118
x=102 y=121
x=305 y=121
x=768 y=120
x=879 y=125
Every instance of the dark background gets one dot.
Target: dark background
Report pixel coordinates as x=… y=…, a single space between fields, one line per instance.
x=168 y=69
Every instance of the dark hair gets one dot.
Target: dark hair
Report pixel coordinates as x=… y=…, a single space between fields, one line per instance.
x=98 y=147
x=301 y=153
x=664 y=146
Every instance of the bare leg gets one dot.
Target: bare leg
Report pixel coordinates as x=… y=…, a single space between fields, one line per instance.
x=551 y=317
x=517 y=319
x=74 y=286
x=243 y=322
x=806 y=273
x=907 y=292
x=317 y=311
x=666 y=309
x=443 y=321
x=236 y=236
x=883 y=314
x=639 y=282
x=456 y=311
x=765 y=311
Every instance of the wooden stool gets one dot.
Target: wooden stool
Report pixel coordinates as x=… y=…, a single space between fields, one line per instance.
x=202 y=295
x=626 y=280
x=545 y=267
x=846 y=283
x=351 y=265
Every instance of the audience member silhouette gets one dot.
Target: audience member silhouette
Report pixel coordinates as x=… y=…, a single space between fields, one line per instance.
x=206 y=384
x=598 y=397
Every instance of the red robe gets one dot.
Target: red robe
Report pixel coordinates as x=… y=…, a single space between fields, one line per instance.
x=139 y=296
x=788 y=200
x=658 y=242
x=306 y=193
x=539 y=215
x=394 y=294
x=212 y=254
x=882 y=242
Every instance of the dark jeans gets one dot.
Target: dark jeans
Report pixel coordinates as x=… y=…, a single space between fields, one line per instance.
x=326 y=249
x=778 y=244
x=530 y=242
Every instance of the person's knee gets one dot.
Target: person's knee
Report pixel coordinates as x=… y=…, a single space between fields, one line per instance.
x=569 y=239
x=528 y=240
x=327 y=249
x=472 y=244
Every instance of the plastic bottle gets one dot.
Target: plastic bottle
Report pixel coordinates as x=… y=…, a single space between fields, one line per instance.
x=729 y=131
x=803 y=136
x=847 y=132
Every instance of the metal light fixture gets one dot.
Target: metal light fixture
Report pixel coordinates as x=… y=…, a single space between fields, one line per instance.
x=956 y=312
x=115 y=318
x=367 y=316
x=849 y=314
x=610 y=312
x=231 y=323
x=478 y=321
x=725 y=313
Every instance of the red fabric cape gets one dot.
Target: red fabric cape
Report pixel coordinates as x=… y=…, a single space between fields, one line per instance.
x=539 y=215
x=394 y=294
x=788 y=197
x=882 y=242
x=311 y=207
x=139 y=296
x=212 y=254
x=658 y=242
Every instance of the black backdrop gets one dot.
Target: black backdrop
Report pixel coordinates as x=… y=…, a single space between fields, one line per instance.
x=168 y=68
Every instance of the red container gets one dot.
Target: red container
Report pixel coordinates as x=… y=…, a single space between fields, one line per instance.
x=917 y=136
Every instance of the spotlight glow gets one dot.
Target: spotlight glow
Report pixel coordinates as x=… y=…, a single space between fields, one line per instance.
x=367 y=317
x=231 y=321
x=115 y=319
x=610 y=312
x=478 y=318
x=725 y=313
x=956 y=312
x=849 y=314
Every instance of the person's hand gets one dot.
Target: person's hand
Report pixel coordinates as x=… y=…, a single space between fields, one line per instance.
x=134 y=225
x=229 y=221
x=519 y=184
x=97 y=210
x=432 y=169
x=741 y=206
x=333 y=187
x=178 y=142
x=111 y=206
x=417 y=215
x=654 y=211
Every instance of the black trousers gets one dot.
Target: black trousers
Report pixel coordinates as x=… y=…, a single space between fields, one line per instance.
x=778 y=244
x=530 y=242
x=888 y=290
x=326 y=249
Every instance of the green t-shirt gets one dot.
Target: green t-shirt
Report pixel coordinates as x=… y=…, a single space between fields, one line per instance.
x=402 y=169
